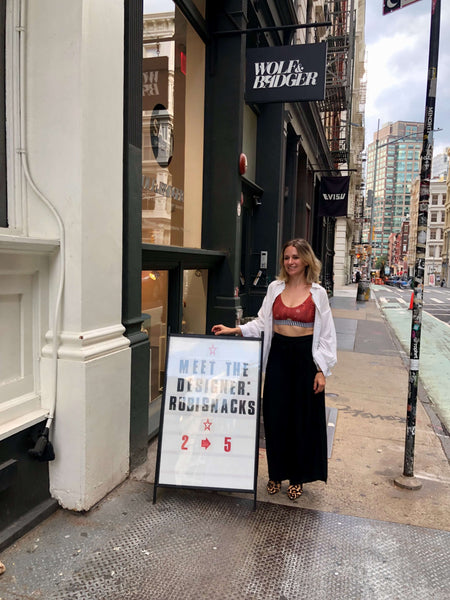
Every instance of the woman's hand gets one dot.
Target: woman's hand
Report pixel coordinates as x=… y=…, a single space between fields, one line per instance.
x=319 y=382
x=223 y=330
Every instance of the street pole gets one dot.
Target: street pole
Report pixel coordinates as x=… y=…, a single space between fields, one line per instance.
x=374 y=182
x=407 y=480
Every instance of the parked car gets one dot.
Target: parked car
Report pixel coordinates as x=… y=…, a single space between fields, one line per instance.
x=392 y=280
x=405 y=284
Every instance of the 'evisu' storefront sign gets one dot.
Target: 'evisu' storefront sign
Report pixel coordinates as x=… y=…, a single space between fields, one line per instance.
x=286 y=73
x=210 y=410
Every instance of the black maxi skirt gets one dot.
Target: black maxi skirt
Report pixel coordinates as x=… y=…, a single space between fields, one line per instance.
x=294 y=416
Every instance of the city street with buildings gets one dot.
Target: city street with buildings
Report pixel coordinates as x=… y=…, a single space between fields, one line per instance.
x=436 y=300
x=358 y=536
x=155 y=156
x=434 y=368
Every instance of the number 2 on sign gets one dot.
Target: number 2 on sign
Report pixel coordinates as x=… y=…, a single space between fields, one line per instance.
x=185 y=439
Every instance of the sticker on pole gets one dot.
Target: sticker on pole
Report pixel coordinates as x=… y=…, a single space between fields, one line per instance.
x=209 y=425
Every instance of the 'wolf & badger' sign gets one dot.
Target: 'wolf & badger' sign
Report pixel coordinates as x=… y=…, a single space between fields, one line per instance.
x=286 y=73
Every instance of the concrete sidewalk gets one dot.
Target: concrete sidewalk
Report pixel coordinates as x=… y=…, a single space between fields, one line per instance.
x=358 y=536
x=369 y=390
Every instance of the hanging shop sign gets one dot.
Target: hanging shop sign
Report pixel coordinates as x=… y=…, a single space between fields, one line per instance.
x=392 y=5
x=286 y=73
x=333 y=196
x=209 y=427
x=155 y=82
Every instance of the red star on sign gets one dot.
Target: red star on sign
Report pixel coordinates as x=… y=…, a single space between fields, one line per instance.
x=207 y=425
x=212 y=350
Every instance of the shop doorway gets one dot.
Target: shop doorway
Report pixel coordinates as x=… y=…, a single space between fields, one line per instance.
x=174 y=299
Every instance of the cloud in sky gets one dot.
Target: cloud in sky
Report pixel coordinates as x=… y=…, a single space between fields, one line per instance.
x=397 y=64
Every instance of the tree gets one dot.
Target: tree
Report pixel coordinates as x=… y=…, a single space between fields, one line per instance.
x=381 y=264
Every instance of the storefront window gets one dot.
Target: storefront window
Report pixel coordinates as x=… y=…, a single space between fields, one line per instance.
x=154 y=309
x=155 y=290
x=172 y=122
x=195 y=285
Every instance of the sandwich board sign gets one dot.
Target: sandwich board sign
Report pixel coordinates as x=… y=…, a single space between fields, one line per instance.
x=209 y=422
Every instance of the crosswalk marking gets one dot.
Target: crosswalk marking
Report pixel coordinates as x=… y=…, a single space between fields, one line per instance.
x=437 y=300
x=393 y=300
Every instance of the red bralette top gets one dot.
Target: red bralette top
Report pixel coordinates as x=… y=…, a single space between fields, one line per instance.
x=301 y=315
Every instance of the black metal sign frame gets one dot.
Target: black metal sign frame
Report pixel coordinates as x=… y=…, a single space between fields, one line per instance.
x=210 y=414
x=293 y=73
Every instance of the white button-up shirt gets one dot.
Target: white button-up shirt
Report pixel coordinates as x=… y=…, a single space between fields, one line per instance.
x=324 y=333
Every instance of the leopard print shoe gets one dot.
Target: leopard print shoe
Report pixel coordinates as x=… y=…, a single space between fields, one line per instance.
x=294 y=491
x=273 y=487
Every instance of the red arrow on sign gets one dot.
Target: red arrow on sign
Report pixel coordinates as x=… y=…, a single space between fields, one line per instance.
x=206 y=443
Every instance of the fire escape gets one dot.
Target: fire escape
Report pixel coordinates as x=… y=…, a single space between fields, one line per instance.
x=337 y=105
x=343 y=118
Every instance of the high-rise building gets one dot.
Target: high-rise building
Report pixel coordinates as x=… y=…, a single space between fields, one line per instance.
x=436 y=228
x=439 y=166
x=393 y=162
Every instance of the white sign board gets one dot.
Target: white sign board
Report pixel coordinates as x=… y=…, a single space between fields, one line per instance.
x=209 y=428
x=392 y=5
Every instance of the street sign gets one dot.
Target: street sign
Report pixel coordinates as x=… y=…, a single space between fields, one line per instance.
x=392 y=5
x=209 y=428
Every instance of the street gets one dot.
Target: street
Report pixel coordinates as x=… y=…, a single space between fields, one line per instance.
x=435 y=350
x=436 y=300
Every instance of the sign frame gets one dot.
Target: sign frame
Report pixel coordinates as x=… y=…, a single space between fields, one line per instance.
x=210 y=438
x=390 y=6
x=294 y=73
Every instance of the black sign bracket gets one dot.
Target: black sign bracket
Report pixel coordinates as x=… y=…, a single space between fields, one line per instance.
x=271 y=28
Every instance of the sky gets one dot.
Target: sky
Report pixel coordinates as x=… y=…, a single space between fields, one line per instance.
x=397 y=47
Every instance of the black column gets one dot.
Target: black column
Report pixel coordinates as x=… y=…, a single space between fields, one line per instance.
x=222 y=187
x=132 y=232
x=270 y=175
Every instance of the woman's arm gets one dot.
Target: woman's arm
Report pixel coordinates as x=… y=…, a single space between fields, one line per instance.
x=224 y=330
x=325 y=354
x=319 y=382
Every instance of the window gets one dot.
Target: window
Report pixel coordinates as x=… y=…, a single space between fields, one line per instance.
x=174 y=290
x=433 y=234
x=172 y=127
x=433 y=217
x=154 y=308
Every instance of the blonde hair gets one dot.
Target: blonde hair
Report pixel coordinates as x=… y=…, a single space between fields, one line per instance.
x=306 y=253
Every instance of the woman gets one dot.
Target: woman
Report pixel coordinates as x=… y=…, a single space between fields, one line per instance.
x=299 y=351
